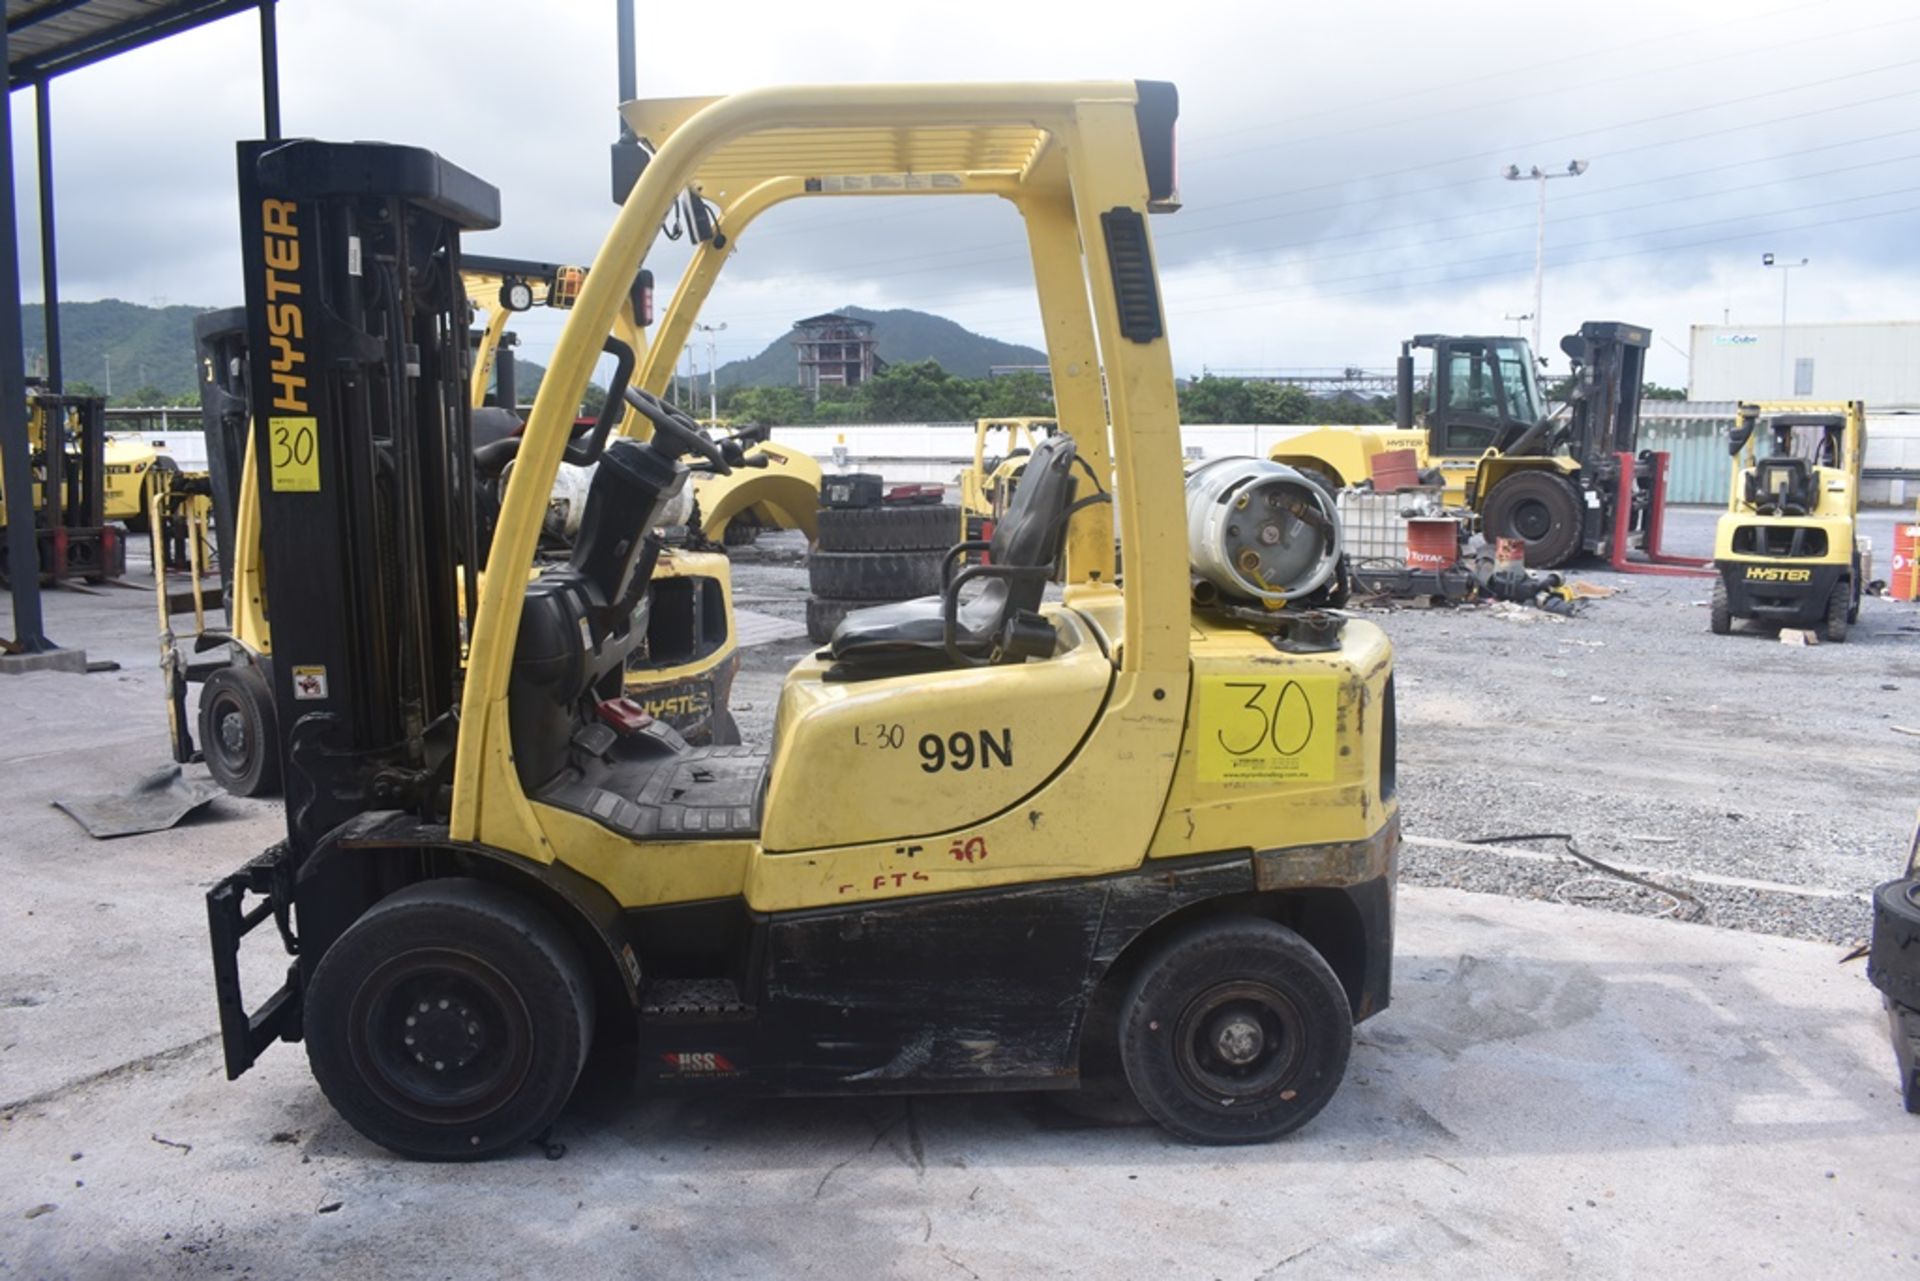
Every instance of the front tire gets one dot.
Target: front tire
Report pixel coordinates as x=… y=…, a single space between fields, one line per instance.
x=239 y=735
x=1235 y=1032
x=450 y=1022
x=1542 y=510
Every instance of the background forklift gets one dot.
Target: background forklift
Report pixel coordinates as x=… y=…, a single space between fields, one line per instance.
x=996 y=843
x=1787 y=549
x=1562 y=485
x=67 y=443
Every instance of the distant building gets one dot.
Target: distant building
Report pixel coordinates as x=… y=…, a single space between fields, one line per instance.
x=1878 y=362
x=834 y=351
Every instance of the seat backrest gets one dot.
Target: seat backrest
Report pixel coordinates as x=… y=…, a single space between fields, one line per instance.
x=1028 y=536
x=1781 y=485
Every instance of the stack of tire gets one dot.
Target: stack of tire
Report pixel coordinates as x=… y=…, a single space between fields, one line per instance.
x=870 y=552
x=1893 y=966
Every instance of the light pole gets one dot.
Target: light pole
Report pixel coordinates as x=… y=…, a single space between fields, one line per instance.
x=1785 y=269
x=1538 y=177
x=713 y=369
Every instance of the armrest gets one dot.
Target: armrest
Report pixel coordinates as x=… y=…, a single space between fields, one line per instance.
x=955 y=552
x=950 y=603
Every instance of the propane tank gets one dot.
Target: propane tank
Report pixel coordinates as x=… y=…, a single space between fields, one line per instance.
x=1259 y=530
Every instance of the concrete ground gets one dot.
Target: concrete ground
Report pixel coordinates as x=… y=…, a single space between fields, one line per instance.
x=1554 y=1090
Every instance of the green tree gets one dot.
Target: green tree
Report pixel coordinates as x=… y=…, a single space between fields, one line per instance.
x=775 y=406
x=918 y=392
x=145 y=395
x=1021 y=395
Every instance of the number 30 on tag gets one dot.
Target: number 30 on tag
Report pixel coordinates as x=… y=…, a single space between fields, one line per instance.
x=294 y=455
x=1270 y=729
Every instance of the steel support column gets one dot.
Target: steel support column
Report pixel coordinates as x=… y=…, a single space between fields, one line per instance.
x=270 y=68
x=23 y=556
x=49 y=258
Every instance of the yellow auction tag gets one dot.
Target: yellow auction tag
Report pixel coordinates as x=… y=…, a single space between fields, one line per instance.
x=1269 y=729
x=295 y=443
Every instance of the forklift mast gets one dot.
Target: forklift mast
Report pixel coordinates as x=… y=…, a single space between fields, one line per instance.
x=357 y=345
x=220 y=347
x=1609 y=362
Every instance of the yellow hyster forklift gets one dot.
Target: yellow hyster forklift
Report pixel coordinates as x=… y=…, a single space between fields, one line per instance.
x=1554 y=482
x=995 y=843
x=1786 y=549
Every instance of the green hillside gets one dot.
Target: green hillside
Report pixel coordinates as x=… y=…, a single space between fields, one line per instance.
x=901 y=336
x=150 y=348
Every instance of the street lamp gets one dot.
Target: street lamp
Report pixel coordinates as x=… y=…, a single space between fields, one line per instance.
x=1539 y=177
x=713 y=369
x=1785 y=269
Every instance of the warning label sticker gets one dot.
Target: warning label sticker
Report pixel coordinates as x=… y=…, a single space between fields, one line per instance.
x=1273 y=729
x=310 y=682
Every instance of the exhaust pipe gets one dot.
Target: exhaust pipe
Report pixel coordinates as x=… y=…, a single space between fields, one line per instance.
x=1403 y=389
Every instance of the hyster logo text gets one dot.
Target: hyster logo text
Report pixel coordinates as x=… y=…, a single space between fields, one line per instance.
x=286 y=323
x=1769 y=574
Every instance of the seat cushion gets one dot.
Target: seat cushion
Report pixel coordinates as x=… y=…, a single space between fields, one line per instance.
x=918 y=624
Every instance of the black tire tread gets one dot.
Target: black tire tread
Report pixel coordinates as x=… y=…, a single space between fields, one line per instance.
x=466 y=907
x=1839 y=607
x=1893 y=955
x=874 y=576
x=251 y=687
x=823 y=615
x=1230 y=946
x=1562 y=542
x=876 y=529
x=1720 y=616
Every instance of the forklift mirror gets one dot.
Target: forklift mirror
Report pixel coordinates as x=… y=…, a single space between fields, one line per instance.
x=1742 y=433
x=641 y=296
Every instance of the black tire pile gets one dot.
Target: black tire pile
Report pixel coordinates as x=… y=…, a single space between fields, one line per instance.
x=870 y=553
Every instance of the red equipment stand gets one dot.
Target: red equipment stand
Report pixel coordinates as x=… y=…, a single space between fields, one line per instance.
x=1657 y=561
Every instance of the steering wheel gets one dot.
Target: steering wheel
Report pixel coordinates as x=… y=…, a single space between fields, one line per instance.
x=678 y=428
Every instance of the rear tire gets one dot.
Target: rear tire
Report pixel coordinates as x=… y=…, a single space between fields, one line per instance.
x=874 y=576
x=1838 y=605
x=1720 y=620
x=1542 y=510
x=1893 y=957
x=239 y=735
x=450 y=1022
x=1236 y=1031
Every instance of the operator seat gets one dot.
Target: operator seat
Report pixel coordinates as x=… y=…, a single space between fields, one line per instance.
x=1001 y=622
x=1781 y=486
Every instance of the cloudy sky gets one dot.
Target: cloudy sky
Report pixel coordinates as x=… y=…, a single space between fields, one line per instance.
x=1340 y=164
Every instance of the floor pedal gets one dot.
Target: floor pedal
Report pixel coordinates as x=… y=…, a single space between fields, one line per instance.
x=692 y=998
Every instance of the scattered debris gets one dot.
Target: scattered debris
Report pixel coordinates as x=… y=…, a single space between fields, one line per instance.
x=1597 y=699
x=1797 y=636
x=154 y=804
x=330 y=1207
x=1904 y=729
x=169 y=1143
x=45 y=1207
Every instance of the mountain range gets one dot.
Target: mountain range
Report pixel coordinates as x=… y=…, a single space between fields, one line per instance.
x=900 y=335
x=128 y=347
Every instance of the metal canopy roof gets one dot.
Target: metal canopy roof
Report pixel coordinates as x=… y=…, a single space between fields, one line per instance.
x=48 y=37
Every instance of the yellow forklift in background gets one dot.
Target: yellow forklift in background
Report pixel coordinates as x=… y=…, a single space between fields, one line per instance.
x=1001 y=447
x=996 y=842
x=66 y=443
x=1787 y=550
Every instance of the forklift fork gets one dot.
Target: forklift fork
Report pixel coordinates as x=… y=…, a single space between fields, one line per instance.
x=1657 y=561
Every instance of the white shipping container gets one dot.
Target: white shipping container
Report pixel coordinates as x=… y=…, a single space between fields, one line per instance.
x=1874 y=361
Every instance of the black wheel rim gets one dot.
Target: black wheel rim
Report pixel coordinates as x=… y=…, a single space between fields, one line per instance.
x=1532 y=521
x=231 y=739
x=441 y=1036
x=1240 y=1043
